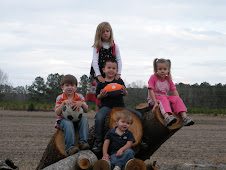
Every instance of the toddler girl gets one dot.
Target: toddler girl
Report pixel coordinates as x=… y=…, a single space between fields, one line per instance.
x=158 y=86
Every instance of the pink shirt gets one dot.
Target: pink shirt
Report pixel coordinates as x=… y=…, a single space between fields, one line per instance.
x=160 y=87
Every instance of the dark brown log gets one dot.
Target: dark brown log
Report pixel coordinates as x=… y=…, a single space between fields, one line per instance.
x=55 y=150
x=135 y=164
x=102 y=165
x=155 y=132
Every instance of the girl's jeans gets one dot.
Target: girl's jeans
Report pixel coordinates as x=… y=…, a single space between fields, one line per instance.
x=121 y=161
x=100 y=119
x=69 y=132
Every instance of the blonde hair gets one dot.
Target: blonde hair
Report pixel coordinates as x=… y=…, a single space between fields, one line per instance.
x=125 y=115
x=162 y=61
x=100 y=29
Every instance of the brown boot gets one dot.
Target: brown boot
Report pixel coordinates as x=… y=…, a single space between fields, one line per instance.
x=84 y=146
x=73 y=150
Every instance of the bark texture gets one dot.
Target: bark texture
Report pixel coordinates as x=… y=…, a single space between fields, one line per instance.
x=84 y=159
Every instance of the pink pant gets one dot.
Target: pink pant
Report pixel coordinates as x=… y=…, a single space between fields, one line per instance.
x=177 y=104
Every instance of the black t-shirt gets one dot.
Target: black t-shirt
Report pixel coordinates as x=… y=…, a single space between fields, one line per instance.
x=116 y=141
x=111 y=101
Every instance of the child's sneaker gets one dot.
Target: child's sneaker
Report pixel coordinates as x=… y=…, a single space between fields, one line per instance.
x=84 y=146
x=170 y=120
x=117 y=168
x=97 y=146
x=73 y=150
x=187 y=121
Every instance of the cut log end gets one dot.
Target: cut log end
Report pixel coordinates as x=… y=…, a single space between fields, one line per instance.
x=102 y=165
x=83 y=163
x=136 y=128
x=143 y=107
x=135 y=164
x=176 y=125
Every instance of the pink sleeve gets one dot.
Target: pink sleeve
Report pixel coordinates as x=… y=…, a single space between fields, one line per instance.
x=172 y=86
x=151 y=82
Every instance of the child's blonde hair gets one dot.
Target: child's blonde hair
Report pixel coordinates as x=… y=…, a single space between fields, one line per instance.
x=100 y=29
x=162 y=61
x=125 y=115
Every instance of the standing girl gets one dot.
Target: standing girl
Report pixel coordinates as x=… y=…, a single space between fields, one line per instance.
x=103 y=48
x=158 y=86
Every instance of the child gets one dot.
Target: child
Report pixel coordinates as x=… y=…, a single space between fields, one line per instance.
x=159 y=84
x=108 y=102
x=76 y=101
x=118 y=141
x=103 y=48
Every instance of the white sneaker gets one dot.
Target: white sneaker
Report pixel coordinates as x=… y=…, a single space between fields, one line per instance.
x=117 y=168
x=187 y=121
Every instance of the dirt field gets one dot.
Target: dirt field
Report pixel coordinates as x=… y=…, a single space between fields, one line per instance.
x=25 y=135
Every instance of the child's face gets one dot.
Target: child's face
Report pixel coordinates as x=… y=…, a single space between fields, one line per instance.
x=106 y=35
x=110 y=69
x=123 y=124
x=162 y=70
x=69 y=89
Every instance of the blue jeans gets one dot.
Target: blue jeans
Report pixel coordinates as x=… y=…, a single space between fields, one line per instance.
x=100 y=120
x=121 y=161
x=69 y=132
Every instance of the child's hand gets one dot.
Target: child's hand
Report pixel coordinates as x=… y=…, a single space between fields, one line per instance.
x=68 y=102
x=124 y=91
x=76 y=105
x=119 y=153
x=101 y=79
x=103 y=93
x=117 y=76
x=106 y=157
x=154 y=107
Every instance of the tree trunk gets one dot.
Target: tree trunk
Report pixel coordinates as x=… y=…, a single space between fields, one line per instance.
x=152 y=131
x=135 y=164
x=84 y=159
x=55 y=150
x=155 y=132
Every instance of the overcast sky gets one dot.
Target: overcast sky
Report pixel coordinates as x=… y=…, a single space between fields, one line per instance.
x=41 y=37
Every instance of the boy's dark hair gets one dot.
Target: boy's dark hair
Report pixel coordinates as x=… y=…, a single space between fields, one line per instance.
x=70 y=79
x=110 y=60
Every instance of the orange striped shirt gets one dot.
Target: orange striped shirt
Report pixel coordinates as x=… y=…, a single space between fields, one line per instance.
x=61 y=98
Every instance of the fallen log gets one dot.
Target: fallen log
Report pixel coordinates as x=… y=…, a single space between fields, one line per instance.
x=151 y=130
x=155 y=132
x=102 y=165
x=84 y=159
x=55 y=149
x=135 y=164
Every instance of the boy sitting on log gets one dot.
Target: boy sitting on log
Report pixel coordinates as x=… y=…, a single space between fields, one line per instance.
x=108 y=101
x=118 y=141
x=76 y=101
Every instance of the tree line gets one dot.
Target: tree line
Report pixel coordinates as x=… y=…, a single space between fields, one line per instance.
x=194 y=96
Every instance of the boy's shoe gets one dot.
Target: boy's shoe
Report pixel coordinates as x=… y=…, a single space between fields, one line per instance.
x=97 y=147
x=170 y=120
x=187 y=121
x=84 y=146
x=117 y=168
x=73 y=150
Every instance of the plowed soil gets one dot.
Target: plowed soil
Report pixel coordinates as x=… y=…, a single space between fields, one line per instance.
x=25 y=135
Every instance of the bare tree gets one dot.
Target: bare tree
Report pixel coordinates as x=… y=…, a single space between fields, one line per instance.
x=3 y=78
